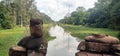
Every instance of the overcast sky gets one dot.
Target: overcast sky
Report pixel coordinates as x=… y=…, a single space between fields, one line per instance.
x=57 y=9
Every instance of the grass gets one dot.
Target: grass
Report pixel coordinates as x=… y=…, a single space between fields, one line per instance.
x=46 y=34
x=83 y=31
x=11 y=37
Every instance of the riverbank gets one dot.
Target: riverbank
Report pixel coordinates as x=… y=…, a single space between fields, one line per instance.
x=11 y=37
x=82 y=31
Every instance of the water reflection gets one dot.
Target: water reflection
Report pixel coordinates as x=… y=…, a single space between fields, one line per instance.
x=63 y=45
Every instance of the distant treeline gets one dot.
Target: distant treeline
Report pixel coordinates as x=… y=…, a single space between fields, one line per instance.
x=19 y=12
x=105 y=14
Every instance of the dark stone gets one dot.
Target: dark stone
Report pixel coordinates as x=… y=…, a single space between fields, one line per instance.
x=93 y=54
x=17 y=51
x=81 y=46
x=87 y=54
x=34 y=22
x=98 y=47
x=116 y=48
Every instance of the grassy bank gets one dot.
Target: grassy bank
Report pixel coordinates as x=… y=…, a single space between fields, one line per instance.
x=46 y=34
x=12 y=36
x=82 y=31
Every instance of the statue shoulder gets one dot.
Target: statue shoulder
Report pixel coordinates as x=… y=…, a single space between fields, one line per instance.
x=24 y=40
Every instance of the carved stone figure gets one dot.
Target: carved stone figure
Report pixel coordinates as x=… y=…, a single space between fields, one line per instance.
x=35 y=44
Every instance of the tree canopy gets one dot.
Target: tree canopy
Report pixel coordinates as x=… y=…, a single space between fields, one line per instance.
x=105 y=14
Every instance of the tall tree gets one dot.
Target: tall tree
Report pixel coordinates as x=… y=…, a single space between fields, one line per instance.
x=115 y=16
x=5 y=17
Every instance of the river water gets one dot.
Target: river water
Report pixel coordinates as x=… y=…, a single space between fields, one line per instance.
x=63 y=45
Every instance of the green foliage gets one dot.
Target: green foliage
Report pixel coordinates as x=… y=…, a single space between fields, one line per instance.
x=6 y=21
x=115 y=16
x=77 y=17
x=99 y=15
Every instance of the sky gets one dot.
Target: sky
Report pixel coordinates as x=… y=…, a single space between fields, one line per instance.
x=57 y=9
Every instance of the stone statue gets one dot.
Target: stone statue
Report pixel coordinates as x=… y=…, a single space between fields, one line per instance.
x=35 y=44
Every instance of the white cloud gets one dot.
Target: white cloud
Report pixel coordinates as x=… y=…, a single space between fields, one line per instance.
x=57 y=9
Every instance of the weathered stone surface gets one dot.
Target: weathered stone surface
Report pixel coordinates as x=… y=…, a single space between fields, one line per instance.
x=93 y=54
x=81 y=54
x=35 y=54
x=109 y=55
x=87 y=54
x=98 y=47
x=18 y=48
x=17 y=51
x=94 y=47
x=116 y=48
x=102 y=38
x=81 y=46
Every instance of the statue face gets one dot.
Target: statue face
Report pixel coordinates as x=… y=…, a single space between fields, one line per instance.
x=36 y=30
x=36 y=27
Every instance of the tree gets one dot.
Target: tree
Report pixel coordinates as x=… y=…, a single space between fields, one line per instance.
x=5 y=17
x=77 y=17
x=115 y=16
x=25 y=10
x=100 y=14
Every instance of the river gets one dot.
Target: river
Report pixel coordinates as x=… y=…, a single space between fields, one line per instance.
x=64 y=43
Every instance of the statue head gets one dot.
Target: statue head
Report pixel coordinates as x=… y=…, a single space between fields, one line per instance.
x=36 y=27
